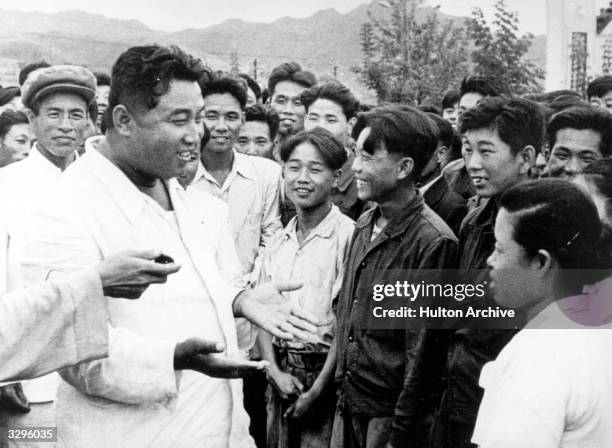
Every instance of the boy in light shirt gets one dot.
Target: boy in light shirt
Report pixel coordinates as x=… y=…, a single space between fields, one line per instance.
x=311 y=248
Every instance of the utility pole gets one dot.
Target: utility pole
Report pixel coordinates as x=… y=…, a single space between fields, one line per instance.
x=255 y=69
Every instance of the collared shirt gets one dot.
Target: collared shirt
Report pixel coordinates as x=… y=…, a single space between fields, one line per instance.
x=23 y=186
x=135 y=397
x=252 y=191
x=553 y=382
x=318 y=262
x=374 y=365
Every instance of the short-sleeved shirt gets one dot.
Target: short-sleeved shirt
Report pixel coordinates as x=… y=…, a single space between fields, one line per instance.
x=318 y=262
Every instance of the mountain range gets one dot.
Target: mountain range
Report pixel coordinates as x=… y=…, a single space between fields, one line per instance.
x=325 y=42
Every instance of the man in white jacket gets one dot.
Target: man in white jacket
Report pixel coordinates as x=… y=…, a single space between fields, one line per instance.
x=122 y=193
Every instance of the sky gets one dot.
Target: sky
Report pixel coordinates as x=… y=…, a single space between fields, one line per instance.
x=180 y=14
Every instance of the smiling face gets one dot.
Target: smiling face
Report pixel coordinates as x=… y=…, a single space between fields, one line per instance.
x=490 y=162
x=328 y=115
x=164 y=139
x=223 y=118
x=375 y=174
x=254 y=139
x=308 y=181
x=59 y=124
x=574 y=149
x=285 y=101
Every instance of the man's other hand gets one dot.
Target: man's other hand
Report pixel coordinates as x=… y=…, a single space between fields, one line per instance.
x=203 y=356
x=128 y=274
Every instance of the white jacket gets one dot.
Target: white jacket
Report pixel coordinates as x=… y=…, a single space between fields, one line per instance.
x=135 y=398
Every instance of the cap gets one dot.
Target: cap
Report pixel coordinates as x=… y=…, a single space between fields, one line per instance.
x=58 y=78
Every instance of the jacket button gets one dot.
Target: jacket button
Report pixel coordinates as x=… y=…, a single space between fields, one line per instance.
x=348 y=374
x=363 y=264
x=350 y=338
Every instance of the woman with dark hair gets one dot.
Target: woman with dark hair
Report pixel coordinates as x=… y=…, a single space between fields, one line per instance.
x=548 y=387
x=16 y=137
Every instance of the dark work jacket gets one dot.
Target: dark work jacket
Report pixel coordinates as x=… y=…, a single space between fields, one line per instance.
x=392 y=372
x=446 y=203
x=470 y=349
x=460 y=182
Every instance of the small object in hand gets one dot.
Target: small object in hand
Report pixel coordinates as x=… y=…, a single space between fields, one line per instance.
x=163 y=259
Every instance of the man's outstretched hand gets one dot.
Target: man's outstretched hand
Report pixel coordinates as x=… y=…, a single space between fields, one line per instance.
x=128 y=274
x=267 y=308
x=202 y=356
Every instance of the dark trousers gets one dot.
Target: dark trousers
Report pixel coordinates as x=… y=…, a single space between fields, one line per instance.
x=359 y=431
x=254 y=388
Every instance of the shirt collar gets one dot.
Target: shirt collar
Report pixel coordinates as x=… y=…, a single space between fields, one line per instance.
x=240 y=166
x=41 y=163
x=129 y=198
x=400 y=223
x=325 y=229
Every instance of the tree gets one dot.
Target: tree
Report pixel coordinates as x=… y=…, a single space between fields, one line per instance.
x=405 y=60
x=501 y=53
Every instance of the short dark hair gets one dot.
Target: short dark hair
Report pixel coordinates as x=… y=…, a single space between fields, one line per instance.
x=258 y=112
x=451 y=97
x=290 y=71
x=10 y=118
x=557 y=216
x=484 y=85
x=581 y=118
x=430 y=109
x=102 y=79
x=335 y=92
x=599 y=86
x=235 y=87
x=404 y=130
x=446 y=134
x=330 y=147
x=252 y=84
x=142 y=74
x=8 y=93
x=29 y=68
x=599 y=173
x=519 y=122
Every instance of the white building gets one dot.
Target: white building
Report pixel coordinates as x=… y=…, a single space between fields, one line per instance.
x=578 y=44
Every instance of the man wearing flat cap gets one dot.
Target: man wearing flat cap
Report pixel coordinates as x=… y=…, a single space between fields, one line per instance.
x=56 y=100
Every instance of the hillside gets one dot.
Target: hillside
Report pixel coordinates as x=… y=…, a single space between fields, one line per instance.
x=321 y=42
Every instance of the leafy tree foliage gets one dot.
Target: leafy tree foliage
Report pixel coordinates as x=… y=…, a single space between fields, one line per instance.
x=410 y=60
x=501 y=52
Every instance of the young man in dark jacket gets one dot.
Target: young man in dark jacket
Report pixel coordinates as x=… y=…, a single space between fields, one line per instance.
x=389 y=379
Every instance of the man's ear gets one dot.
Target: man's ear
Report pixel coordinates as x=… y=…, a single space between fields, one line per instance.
x=527 y=157
x=123 y=121
x=350 y=125
x=30 y=114
x=543 y=261
x=405 y=167
x=337 y=175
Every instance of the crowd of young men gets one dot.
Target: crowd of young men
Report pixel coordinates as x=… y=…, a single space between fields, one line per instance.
x=309 y=194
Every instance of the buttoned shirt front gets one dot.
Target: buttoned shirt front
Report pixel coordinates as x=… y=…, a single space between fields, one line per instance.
x=134 y=397
x=252 y=191
x=318 y=262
